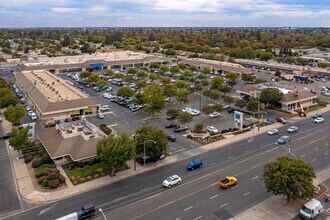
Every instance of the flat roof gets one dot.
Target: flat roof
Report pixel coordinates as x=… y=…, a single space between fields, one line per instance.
x=52 y=87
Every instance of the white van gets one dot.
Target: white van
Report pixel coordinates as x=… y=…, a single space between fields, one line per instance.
x=311 y=209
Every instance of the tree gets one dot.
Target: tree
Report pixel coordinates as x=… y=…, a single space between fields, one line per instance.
x=93 y=78
x=228 y=99
x=153 y=150
x=154 y=65
x=173 y=112
x=182 y=96
x=153 y=97
x=265 y=56
x=193 y=68
x=241 y=103
x=132 y=70
x=180 y=84
x=175 y=69
x=206 y=70
x=170 y=90
x=248 y=77
x=202 y=76
x=170 y=52
x=216 y=82
x=8 y=100
x=165 y=80
x=225 y=88
x=163 y=68
x=115 y=151
x=290 y=178
x=141 y=84
x=246 y=53
x=187 y=73
x=199 y=127
x=278 y=73
x=252 y=105
x=184 y=117
x=125 y=91
x=182 y=66
x=102 y=82
x=14 y=113
x=231 y=75
x=85 y=74
x=205 y=82
x=232 y=82
x=270 y=96
x=19 y=138
x=214 y=95
x=142 y=74
x=153 y=76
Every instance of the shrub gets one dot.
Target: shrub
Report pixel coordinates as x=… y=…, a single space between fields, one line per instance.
x=241 y=103
x=82 y=179
x=53 y=184
x=28 y=159
x=36 y=162
x=218 y=107
x=199 y=127
x=74 y=183
x=44 y=173
x=41 y=179
x=72 y=178
x=96 y=176
x=99 y=170
x=51 y=124
x=61 y=178
x=46 y=159
x=89 y=178
x=45 y=183
x=80 y=164
x=207 y=109
x=102 y=174
x=189 y=136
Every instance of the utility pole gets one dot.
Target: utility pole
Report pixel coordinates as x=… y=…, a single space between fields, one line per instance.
x=259 y=114
x=200 y=100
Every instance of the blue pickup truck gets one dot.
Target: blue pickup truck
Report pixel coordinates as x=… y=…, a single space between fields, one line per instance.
x=196 y=163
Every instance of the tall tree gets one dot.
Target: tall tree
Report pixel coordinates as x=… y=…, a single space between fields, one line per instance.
x=19 y=138
x=225 y=88
x=270 y=96
x=290 y=178
x=216 y=82
x=184 y=117
x=182 y=96
x=14 y=113
x=170 y=90
x=115 y=151
x=125 y=91
x=153 y=97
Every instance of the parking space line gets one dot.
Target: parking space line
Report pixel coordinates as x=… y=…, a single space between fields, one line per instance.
x=198 y=217
x=316 y=149
x=255 y=177
x=303 y=155
x=212 y=164
x=326 y=153
x=186 y=209
x=246 y=194
x=313 y=160
x=177 y=151
x=234 y=187
x=223 y=205
x=214 y=196
x=192 y=146
x=231 y=157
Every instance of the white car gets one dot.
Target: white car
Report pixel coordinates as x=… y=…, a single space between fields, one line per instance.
x=319 y=120
x=212 y=129
x=171 y=181
x=273 y=131
x=30 y=113
x=105 y=108
x=100 y=115
x=167 y=99
x=194 y=112
x=292 y=129
x=28 y=108
x=214 y=114
x=188 y=110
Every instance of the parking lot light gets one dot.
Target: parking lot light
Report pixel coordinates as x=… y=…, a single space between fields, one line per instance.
x=144 y=150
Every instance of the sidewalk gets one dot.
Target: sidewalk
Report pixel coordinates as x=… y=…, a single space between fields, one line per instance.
x=29 y=193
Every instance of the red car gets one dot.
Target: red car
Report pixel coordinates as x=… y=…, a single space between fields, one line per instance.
x=281 y=120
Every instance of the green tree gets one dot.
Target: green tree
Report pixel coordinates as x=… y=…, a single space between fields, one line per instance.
x=132 y=70
x=205 y=82
x=216 y=82
x=290 y=178
x=252 y=105
x=125 y=91
x=206 y=70
x=164 y=67
x=165 y=80
x=8 y=100
x=102 y=82
x=231 y=60
x=93 y=78
x=199 y=127
x=154 y=65
x=153 y=76
x=173 y=112
x=154 y=148
x=231 y=75
x=278 y=73
x=170 y=52
x=19 y=138
x=248 y=77
x=14 y=113
x=142 y=74
x=228 y=99
x=193 y=68
x=202 y=76
x=85 y=74
x=187 y=73
x=141 y=84
x=214 y=95
x=180 y=84
x=246 y=53
x=182 y=66
x=184 y=117
x=182 y=96
x=175 y=69
x=241 y=103
x=265 y=56
x=270 y=96
x=153 y=97
x=115 y=151
x=232 y=82
x=170 y=90
x=225 y=88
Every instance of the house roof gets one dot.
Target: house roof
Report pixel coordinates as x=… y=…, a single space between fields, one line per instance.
x=248 y=89
x=291 y=96
x=76 y=147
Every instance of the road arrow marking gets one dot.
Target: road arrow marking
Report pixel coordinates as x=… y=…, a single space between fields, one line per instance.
x=47 y=209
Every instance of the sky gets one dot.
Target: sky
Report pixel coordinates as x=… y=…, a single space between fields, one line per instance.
x=164 y=13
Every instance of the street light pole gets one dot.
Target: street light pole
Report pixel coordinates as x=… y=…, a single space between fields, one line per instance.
x=259 y=114
x=144 y=151
x=103 y=214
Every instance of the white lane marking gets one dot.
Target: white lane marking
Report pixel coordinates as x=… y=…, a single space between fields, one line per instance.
x=212 y=164
x=313 y=160
x=303 y=155
x=246 y=194
x=234 y=187
x=186 y=209
x=223 y=205
x=177 y=151
x=255 y=177
x=251 y=139
x=326 y=153
x=198 y=217
x=316 y=149
x=231 y=157
x=192 y=146
x=214 y=196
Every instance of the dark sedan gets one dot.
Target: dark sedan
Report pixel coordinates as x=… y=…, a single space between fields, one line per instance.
x=171 y=138
x=170 y=125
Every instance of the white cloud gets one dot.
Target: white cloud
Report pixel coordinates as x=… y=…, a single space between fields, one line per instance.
x=64 y=10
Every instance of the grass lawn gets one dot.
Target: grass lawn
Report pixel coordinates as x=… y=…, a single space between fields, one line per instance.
x=314 y=108
x=44 y=167
x=85 y=170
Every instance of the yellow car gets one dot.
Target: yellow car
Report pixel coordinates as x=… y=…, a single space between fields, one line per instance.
x=227 y=182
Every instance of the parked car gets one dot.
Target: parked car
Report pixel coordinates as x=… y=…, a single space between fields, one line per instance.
x=281 y=120
x=170 y=117
x=283 y=140
x=100 y=115
x=27 y=108
x=180 y=129
x=273 y=131
x=171 y=138
x=105 y=108
x=212 y=129
x=5 y=136
x=230 y=110
x=171 y=181
x=311 y=209
x=171 y=125
x=196 y=163
x=214 y=114
x=227 y=182
x=292 y=129
x=0 y=118
x=319 y=120
x=317 y=115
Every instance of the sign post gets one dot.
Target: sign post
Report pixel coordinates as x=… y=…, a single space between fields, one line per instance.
x=238 y=120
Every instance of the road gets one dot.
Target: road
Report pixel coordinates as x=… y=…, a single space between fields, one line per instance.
x=142 y=196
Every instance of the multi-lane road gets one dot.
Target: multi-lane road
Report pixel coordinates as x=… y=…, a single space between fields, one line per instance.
x=198 y=196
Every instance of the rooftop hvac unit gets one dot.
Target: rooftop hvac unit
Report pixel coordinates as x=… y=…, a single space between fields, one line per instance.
x=53 y=83
x=56 y=92
x=53 y=89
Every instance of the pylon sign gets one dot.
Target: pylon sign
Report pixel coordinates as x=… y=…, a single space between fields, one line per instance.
x=238 y=120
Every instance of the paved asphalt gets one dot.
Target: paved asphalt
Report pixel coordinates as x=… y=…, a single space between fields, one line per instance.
x=142 y=196
x=9 y=201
